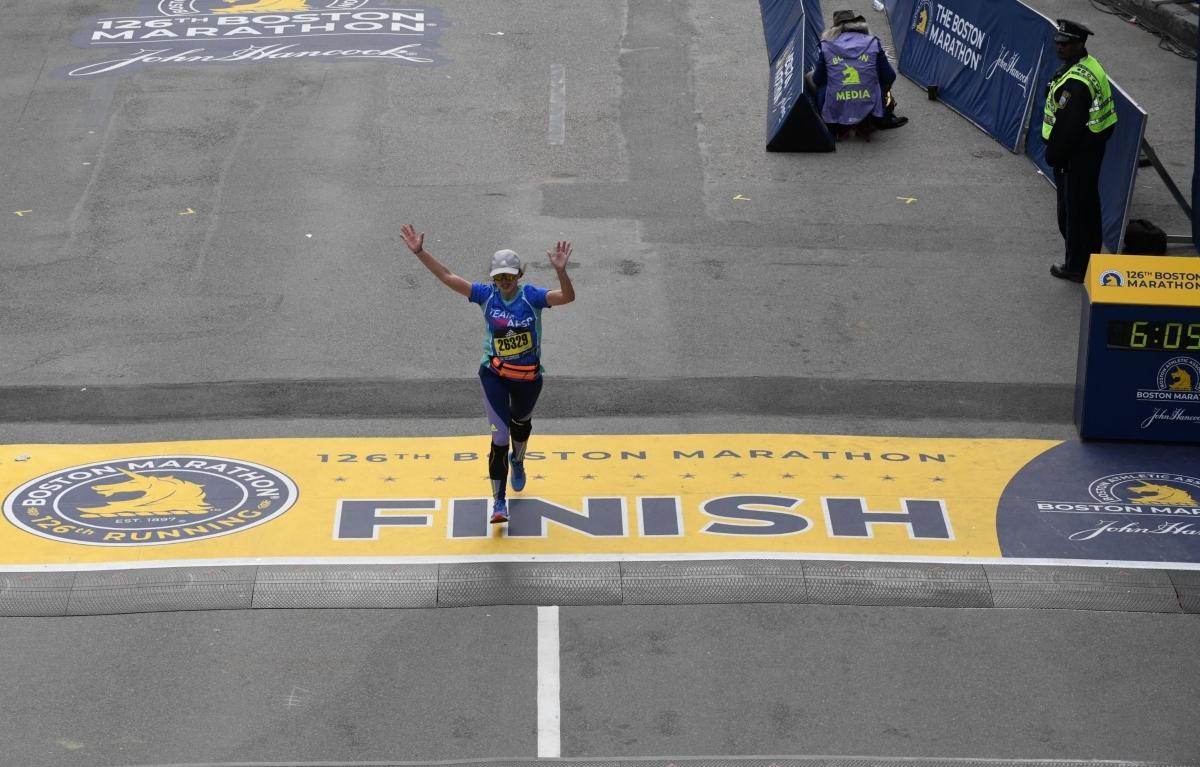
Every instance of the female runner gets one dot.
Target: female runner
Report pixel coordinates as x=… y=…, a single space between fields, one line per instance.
x=510 y=371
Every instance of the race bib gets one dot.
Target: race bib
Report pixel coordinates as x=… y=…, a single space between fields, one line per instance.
x=514 y=343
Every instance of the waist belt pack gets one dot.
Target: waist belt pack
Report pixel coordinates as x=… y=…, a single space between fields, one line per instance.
x=514 y=372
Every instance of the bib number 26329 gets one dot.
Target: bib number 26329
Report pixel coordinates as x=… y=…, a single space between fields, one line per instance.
x=513 y=344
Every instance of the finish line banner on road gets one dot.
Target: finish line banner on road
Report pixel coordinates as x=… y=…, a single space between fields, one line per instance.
x=610 y=497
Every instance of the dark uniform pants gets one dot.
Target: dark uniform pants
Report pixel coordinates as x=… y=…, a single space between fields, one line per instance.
x=1079 y=206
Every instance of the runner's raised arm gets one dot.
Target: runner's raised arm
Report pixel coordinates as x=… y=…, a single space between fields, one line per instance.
x=558 y=259
x=416 y=243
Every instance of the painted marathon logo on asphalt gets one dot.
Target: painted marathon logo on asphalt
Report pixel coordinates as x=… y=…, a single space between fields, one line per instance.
x=201 y=32
x=151 y=500
x=1083 y=501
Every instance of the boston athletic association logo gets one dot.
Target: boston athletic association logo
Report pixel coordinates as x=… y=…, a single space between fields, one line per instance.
x=1136 y=502
x=921 y=15
x=150 y=500
x=1177 y=385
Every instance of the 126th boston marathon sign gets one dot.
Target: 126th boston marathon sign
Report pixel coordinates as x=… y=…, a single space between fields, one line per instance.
x=204 y=32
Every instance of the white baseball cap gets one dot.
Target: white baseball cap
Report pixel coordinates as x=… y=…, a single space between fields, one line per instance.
x=505 y=262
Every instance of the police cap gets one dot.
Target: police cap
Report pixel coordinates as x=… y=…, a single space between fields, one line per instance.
x=1071 y=32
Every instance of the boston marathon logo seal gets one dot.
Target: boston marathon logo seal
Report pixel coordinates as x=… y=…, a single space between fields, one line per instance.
x=1083 y=500
x=1148 y=488
x=202 y=32
x=920 y=19
x=1177 y=382
x=151 y=500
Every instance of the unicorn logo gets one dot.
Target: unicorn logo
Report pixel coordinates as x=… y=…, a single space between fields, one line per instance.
x=1149 y=492
x=264 y=6
x=850 y=76
x=1180 y=380
x=150 y=500
x=157 y=496
x=921 y=18
x=1163 y=489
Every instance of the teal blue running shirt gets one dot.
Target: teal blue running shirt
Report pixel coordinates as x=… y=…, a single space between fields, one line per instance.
x=513 y=328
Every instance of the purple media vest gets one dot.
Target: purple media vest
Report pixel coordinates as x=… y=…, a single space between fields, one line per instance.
x=852 y=88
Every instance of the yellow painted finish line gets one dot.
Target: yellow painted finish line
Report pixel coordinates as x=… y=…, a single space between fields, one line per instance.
x=428 y=499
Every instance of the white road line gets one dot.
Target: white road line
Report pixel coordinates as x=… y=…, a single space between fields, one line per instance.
x=153 y=564
x=556 y=133
x=549 y=716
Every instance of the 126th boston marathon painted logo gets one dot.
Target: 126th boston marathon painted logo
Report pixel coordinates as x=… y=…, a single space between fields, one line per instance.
x=152 y=500
x=1085 y=501
x=201 y=32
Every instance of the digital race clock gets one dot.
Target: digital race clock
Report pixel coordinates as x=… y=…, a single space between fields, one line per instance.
x=1139 y=349
x=1154 y=335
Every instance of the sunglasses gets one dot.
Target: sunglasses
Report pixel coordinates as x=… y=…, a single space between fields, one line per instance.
x=504 y=278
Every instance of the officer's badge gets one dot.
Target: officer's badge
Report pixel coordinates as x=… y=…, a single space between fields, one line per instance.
x=1063 y=99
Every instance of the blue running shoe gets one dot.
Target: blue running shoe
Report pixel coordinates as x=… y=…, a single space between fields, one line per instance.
x=517 y=474
x=499 y=512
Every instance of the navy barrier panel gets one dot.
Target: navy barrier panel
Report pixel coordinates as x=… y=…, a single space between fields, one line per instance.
x=779 y=18
x=899 y=13
x=814 y=25
x=982 y=55
x=787 y=84
x=793 y=124
x=1119 y=170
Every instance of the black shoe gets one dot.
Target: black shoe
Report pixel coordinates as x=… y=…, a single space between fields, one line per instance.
x=1060 y=271
x=892 y=121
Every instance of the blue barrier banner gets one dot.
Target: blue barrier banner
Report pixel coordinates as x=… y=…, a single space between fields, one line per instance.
x=1119 y=170
x=787 y=82
x=982 y=55
x=793 y=124
x=780 y=18
x=899 y=14
x=814 y=24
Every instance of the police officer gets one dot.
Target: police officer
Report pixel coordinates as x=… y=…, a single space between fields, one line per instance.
x=1079 y=118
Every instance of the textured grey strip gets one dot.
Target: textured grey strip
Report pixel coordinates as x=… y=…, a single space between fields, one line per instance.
x=720 y=582
x=37 y=594
x=529 y=583
x=1187 y=586
x=1081 y=588
x=104 y=592
x=379 y=586
x=898 y=584
x=567 y=398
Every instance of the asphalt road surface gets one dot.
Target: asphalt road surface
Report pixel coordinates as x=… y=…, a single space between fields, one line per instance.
x=183 y=224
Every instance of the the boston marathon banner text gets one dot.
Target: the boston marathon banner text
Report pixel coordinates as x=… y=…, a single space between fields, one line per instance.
x=991 y=61
x=982 y=55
